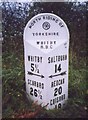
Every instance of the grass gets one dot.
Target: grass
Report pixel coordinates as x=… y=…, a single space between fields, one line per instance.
x=0 y=76
x=14 y=95
x=0 y=86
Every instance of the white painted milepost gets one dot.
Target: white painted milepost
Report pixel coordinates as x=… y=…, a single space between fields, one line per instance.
x=46 y=50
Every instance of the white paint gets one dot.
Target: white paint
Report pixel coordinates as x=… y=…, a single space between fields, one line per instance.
x=46 y=45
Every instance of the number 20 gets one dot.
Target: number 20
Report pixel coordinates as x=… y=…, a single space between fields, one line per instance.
x=57 y=91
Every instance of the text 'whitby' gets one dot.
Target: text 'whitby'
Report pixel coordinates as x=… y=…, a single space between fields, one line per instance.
x=53 y=59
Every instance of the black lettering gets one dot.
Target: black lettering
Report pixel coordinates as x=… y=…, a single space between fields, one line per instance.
x=35 y=93
x=56 y=20
x=57 y=91
x=32 y=67
x=57 y=59
x=51 y=47
x=38 y=42
x=50 y=102
x=48 y=59
x=61 y=24
x=57 y=68
x=57 y=100
x=39 y=34
x=59 y=105
x=31 y=91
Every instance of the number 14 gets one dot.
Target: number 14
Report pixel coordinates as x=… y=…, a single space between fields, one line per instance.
x=57 y=68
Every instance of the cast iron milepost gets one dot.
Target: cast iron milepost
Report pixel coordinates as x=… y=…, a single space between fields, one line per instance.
x=46 y=46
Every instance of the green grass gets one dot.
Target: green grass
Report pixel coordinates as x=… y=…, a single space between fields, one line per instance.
x=0 y=65
x=14 y=95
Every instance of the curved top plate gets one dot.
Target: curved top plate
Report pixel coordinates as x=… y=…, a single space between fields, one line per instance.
x=46 y=31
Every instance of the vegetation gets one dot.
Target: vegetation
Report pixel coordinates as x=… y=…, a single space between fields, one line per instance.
x=15 y=103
